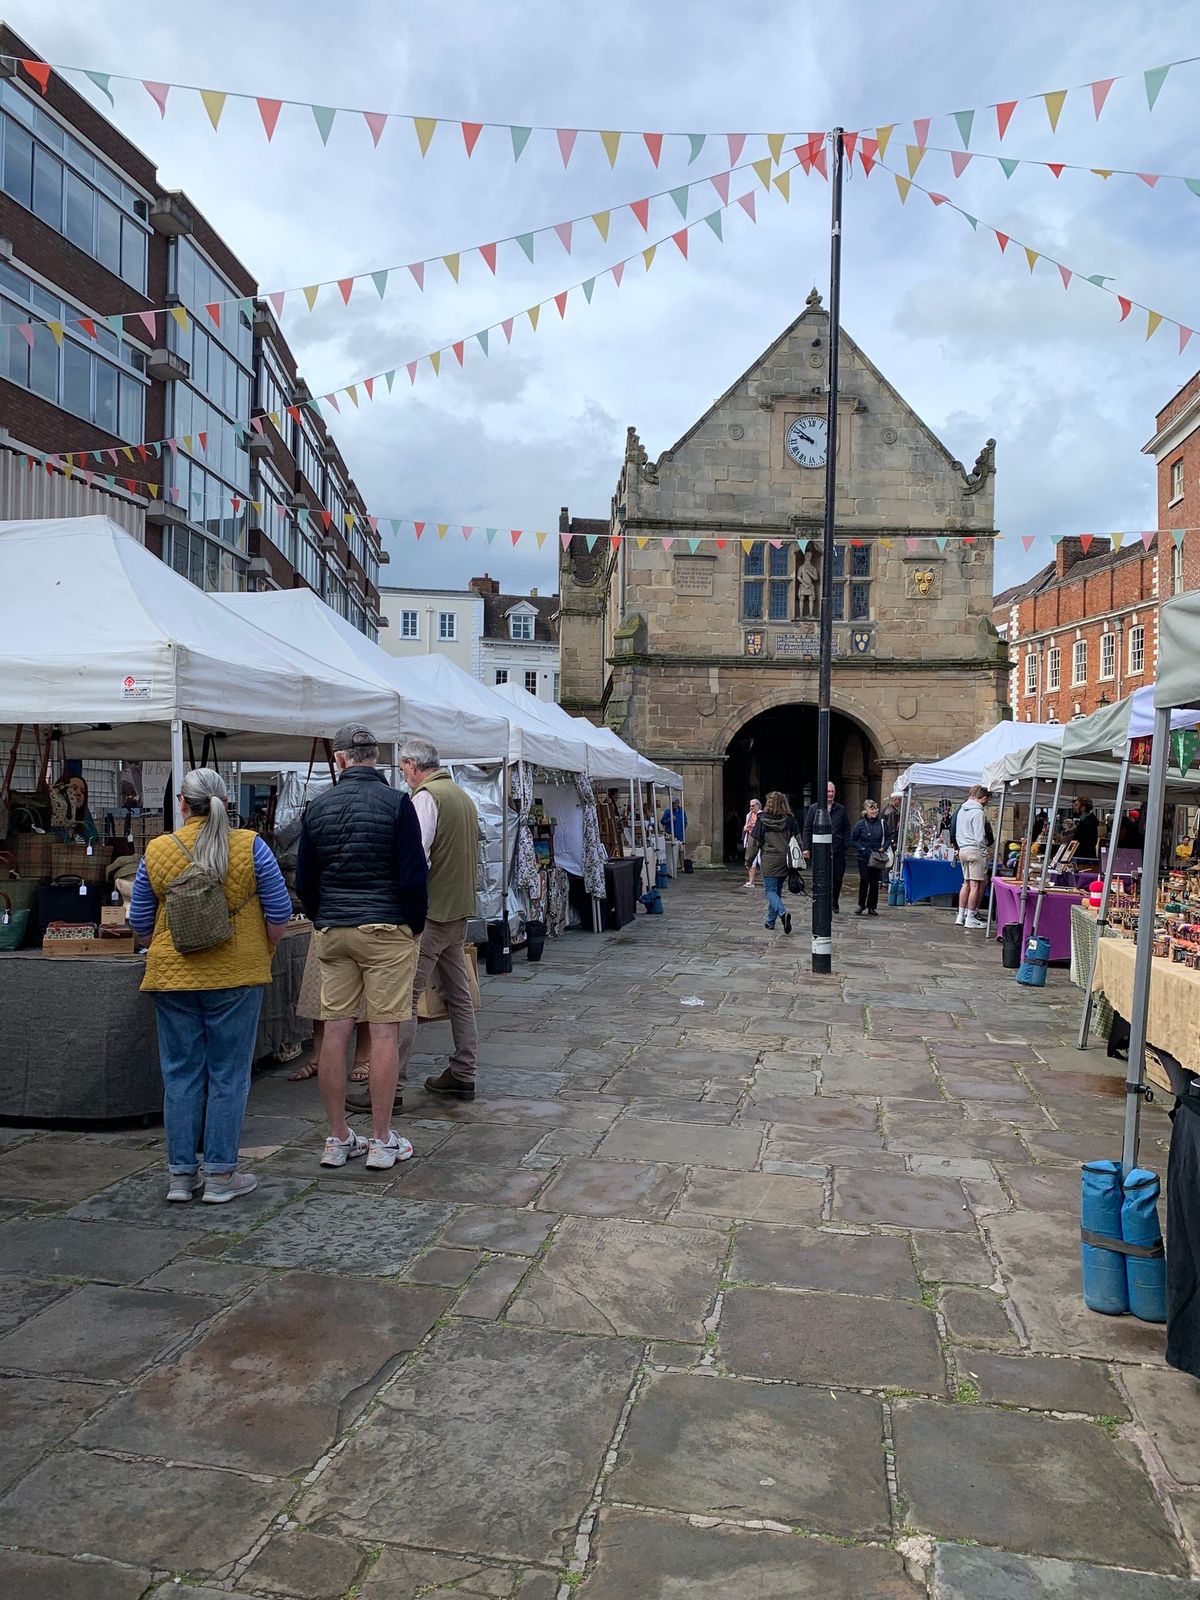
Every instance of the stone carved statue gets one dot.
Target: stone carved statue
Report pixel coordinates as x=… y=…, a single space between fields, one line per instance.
x=808 y=581
x=985 y=464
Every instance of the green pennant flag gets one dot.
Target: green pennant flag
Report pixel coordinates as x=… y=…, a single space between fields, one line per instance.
x=302 y=517
x=588 y=287
x=965 y=121
x=1155 y=78
x=394 y=524
x=491 y=534
x=590 y=540
x=1184 y=743
x=520 y=138
x=246 y=307
x=696 y=140
x=803 y=545
x=693 y=545
x=389 y=378
x=323 y=117
x=525 y=240
x=942 y=541
x=714 y=221
x=101 y=80
x=116 y=322
x=974 y=221
x=1099 y=279
x=1177 y=534
x=1008 y=166
x=380 y=280
x=680 y=197
x=1193 y=184
x=482 y=336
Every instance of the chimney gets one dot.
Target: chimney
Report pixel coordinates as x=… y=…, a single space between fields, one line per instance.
x=533 y=594
x=484 y=585
x=1069 y=552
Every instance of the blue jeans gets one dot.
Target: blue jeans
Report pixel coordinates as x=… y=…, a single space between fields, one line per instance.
x=775 y=906
x=205 y=1049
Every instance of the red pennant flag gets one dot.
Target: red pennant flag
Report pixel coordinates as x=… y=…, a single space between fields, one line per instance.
x=294 y=413
x=618 y=273
x=720 y=182
x=654 y=145
x=515 y=534
x=213 y=307
x=326 y=519
x=236 y=505
x=458 y=351
x=488 y=252
x=1085 y=539
x=849 y=144
x=417 y=269
x=1184 y=335
x=560 y=300
x=39 y=71
x=130 y=483
x=816 y=149
x=868 y=154
x=615 y=541
x=1100 y=94
x=369 y=386
x=376 y=121
x=1001 y=240
x=938 y=199
x=158 y=92
x=681 y=241
x=1004 y=113
x=1150 y=179
x=470 y=133
x=968 y=538
x=1065 y=274
x=418 y=528
x=566 y=143
x=921 y=131
x=960 y=160
x=736 y=142
x=1027 y=540
x=804 y=155
x=721 y=543
x=1125 y=305
x=345 y=289
x=88 y=326
x=269 y=111
x=507 y=325
x=641 y=210
x=1056 y=167
x=746 y=201
x=563 y=230
x=411 y=369
x=203 y=438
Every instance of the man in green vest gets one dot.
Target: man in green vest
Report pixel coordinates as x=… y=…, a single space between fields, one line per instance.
x=450 y=835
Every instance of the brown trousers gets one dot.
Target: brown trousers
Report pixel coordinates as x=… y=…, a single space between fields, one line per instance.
x=443 y=954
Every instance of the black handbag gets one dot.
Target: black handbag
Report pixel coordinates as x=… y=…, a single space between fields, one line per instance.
x=66 y=899
x=795 y=883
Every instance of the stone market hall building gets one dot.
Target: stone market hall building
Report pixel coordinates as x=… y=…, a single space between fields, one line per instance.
x=707 y=661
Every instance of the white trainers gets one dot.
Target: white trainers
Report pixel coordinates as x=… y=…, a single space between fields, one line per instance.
x=380 y=1156
x=974 y=921
x=339 y=1151
x=960 y=918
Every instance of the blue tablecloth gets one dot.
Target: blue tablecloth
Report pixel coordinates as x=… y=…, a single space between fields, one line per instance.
x=924 y=879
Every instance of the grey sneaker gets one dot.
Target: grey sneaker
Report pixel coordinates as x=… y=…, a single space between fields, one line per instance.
x=380 y=1156
x=218 y=1190
x=338 y=1151
x=184 y=1185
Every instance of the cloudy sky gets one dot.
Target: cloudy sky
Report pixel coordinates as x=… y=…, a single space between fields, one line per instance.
x=978 y=345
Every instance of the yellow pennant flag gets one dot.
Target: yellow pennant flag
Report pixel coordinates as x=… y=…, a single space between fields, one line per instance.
x=1103 y=172
x=775 y=146
x=348 y=519
x=783 y=182
x=903 y=185
x=57 y=329
x=1054 y=104
x=915 y=154
x=533 y=314
x=882 y=137
x=181 y=317
x=1030 y=256
x=601 y=218
x=641 y=541
x=747 y=545
x=435 y=361
x=274 y=418
x=887 y=543
x=648 y=255
x=443 y=529
x=187 y=445
x=310 y=294
x=214 y=104
x=425 y=127
x=1153 y=318
x=258 y=505
x=452 y=265
x=352 y=392
x=68 y=470
x=611 y=143
x=1118 y=539
x=763 y=169
x=541 y=539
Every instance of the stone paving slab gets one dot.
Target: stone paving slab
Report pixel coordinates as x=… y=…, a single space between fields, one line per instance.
x=964 y=1574
x=102 y=1333
x=45 y=1170
x=682 y=1143
x=666 y=1558
x=109 y=1252
x=1043 y=1383
x=23 y=1298
x=304 y=1566
x=24 y=1573
x=811 y=1258
x=452 y=1183
x=344 y=1233
x=902 y=1200
x=141 y=1199
x=37 y=1414
x=1031 y=1484
x=479 y=1145
x=713 y=1447
x=637 y=1189
x=488 y=1228
x=976 y=1316
x=489 y=1447
x=1167 y=1404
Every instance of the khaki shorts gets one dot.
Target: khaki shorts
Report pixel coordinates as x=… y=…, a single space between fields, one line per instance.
x=375 y=963
x=974 y=864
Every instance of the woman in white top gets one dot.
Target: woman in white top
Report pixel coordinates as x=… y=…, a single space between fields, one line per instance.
x=752 y=853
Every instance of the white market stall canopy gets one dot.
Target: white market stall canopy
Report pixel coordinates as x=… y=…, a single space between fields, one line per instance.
x=1081 y=776
x=301 y=620
x=1111 y=728
x=964 y=769
x=106 y=641
x=1179 y=652
x=529 y=738
x=611 y=757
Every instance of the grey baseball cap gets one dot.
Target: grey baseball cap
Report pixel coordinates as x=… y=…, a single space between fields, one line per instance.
x=353 y=737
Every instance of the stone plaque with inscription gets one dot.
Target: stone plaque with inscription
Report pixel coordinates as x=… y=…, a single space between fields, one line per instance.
x=802 y=642
x=693 y=574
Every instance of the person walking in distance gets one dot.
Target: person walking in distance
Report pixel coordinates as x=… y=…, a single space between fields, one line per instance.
x=208 y=994
x=870 y=846
x=772 y=834
x=450 y=838
x=840 y=820
x=749 y=848
x=362 y=878
x=971 y=841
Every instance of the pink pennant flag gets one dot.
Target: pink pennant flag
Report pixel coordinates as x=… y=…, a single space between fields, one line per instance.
x=1004 y=113
x=149 y=321
x=158 y=92
x=868 y=154
x=1147 y=540
x=418 y=528
x=176 y=493
x=641 y=210
x=654 y=143
x=173 y=446
x=1027 y=540
x=458 y=351
x=514 y=534
x=507 y=326
x=681 y=241
x=667 y=543
x=618 y=273
x=563 y=230
x=736 y=142
x=376 y=121
x=960 y=160
x=488 y=252
x=720 y=182
x=566 y=143
x=345 y=289
x=333 y=401
x=1125 y=305
x=1056 y=167
x=470 y=133
x=269 y=111
x=257 y=424
x=373 y=524
x=1184 y=335
x=746 y=201
x=1065 y=274
x=1150 y=179
x=417 y=268
x=921 y=131
x=411 y=369
x=1100 y=94
x=369 y=386
x=25 y=329
x=560 y=300
x=938 y=199
x=467 y=532
x=276 y=298
x=1001 y=240
x=112 y=456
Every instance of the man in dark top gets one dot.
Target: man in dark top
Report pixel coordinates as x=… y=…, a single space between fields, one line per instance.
x=1085 y=830
x=840 y=819
x=361 y=876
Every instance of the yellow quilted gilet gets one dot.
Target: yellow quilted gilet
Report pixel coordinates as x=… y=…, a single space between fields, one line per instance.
x=239 y=962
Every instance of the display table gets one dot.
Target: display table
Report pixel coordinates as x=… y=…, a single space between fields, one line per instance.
x=1083 y=944
x=79 y=1036
x=1173 y=1018
x=925 y=878
x=1056 y=913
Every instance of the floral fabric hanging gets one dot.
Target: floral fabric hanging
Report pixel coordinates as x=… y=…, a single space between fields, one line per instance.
x=594 y=856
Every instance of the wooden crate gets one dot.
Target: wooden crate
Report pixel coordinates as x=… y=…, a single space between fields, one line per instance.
x=89 y=948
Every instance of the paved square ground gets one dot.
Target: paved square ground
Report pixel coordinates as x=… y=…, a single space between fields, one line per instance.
x=777 y=1296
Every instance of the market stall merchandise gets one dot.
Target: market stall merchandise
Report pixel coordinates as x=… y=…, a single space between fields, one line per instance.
x=1056 y=907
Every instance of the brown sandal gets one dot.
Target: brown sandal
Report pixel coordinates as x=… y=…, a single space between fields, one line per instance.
x=361 y=1074
x=302 y=1074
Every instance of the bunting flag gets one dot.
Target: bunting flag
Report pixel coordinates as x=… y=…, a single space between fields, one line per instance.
x=961 y=159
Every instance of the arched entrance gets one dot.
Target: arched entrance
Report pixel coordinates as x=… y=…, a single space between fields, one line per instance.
x=777 y=749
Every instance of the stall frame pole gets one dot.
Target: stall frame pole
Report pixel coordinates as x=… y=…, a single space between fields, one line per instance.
x=177 y=772
x=1045 y=878
x=1028 y=851
x=902 y=833
x=996 y=859
x=1102 y=914
x=1135 y=1075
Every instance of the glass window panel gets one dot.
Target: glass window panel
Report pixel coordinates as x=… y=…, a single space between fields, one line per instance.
x=839 y=603
x=17 y=103
x=839 y=560
x=80 y=156
x=49 y=130
x=107 y=340
x=108 y=235
x=200 y=361
x=18 y=164
x=779 y=560
x=80 y=199
x=43 y=364
x=107 y=179
x=196 y=562
x=179 y=551
x=753 y=560
x=860 y=561
x=779 y=608
x=752 y=599
x=243 y=404
x=14 y=356
x=16 y=284
x=133 y=254
x=185 y=271
x=106 y=397
x=48 y=304
x=860 y=601
x=77 y=379
x=133 y=408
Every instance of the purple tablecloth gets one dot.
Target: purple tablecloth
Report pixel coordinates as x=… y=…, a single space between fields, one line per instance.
x=1056 y=913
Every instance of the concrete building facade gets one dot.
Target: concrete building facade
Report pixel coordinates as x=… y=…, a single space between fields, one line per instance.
x=707 y=660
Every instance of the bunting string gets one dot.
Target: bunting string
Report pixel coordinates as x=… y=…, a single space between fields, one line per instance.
x=960 y=160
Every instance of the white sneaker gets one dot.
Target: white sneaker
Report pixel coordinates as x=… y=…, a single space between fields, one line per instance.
x=960 y=919
x=974 y=921
x=338 y=1151
x=380 y=1156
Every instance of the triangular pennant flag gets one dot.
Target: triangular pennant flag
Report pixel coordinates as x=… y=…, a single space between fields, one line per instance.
x=1065 y=274
x=180 y=316
x=332 y=400
x=903 y=185
x=1155 y=78
x=158 y=92
x=974 y=221
x=965 y=121
x=1147 y=539
x=960 y=160
x=1150 y=179
x=149 y=321
x=213 y=307
x=482 y=337
x=641 y=210
x=1193 y=185
x=514 y=534
x=696 y=140
x=25 y=329
x=525 y=240
x=1184 y=744
x=1125 y=305
x=1178 y=535
x=351 y=391
x=520 y=138
x=101 y=80
x=533 y=314
x=803 y=544
x=369 y=386
x=1153 y=318
x=116 y=322
x=1099 y=279
x=1054 y=104
x=376 y=122
x=541 y=539
x=714 y=217
x=1008 y=167
x=1085 y=539
x=680 y=240
x=443 y=528
x=417 y=268
x=736 y=143
x=470 y=133
x=563 y=230
x=1056 y=167
x=435 y=361
x=1100 y=94
x=747 y=203
x=323 y=117
x=1103 y=172
x=564 y=539
x=507 y=326
x=1184 y=335
x=601 y=219
x=612 y=143
x=560 y=300
x=641 y=540
x=614 y=541
x=693 y=545
x=721 y=543
x=618 y=272
x=680 y=197
x=648 y=256
x=941 y=542
x=389 y=378
x=747 y=545
x=345 y=289
x=590 y=539
x=653 y=143
x=883 y=138
x=450 y=262
x=783 y=182
x=1030 y=255
x=921 y=130
x=418 y=528
x=214 y=104
x=1027 y=541
x=667 y=543
x=1001 y=240
x=915 y=155
x=488 y=252
x=868 y=153
x=276 y=299
x=411 y=369
x=762 y=170
x=720 y=182
x=380 y=280
x=566 y=144
x=424 y=128
x=775 y=146
x=850 y=144
x=310 y=294
x=1004 y=113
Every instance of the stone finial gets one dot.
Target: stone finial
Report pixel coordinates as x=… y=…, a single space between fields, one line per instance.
x=813 y=303
x=634 y=449
x=985 y=465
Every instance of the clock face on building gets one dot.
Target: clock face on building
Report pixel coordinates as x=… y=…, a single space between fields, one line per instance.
x=808 y=440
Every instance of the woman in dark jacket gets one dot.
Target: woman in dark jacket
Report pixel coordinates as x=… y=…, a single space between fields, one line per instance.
x=868 y=836
x=772 y=833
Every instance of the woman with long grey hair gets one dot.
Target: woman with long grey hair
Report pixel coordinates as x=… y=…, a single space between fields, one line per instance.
x=207 y=1000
